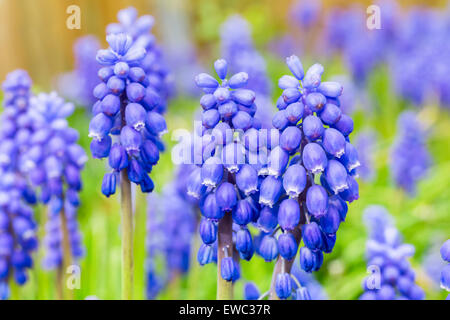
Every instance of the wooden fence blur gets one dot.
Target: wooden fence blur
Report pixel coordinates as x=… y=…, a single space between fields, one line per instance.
x=34 y=36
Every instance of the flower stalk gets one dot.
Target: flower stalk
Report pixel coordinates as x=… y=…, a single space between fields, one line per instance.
x=127 y=238
x=225 y=238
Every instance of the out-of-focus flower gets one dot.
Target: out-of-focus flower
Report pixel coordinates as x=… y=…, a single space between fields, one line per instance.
x=78 y=85
x=306 y=13
x=239 y=51
x=17 y=227
x=410 y=158
x=365 y=144
x=387 y=258
x=53 y=163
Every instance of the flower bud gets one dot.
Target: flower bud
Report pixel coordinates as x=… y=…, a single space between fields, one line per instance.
x=313 y=127
x=268 y=248
x=312 y=236
x=238 y=80
x=100 y=126
x=247 y=179
x=287 y=246
x=352 y=192
x=210 y=118
x=286 y=82
x=334 y=142
x=310 y=260
x=290 y=139
x=242 y=120
x=267 y=220
x=244 y=241
x=243 y=213
x=135 y=116
x=205 y=254
x=313 y=76
x=100 y=148
x=336 y=176
x=291 y=95
x=210 y=209
x=243 y=96
x=212 y=172
x=344 y=125
x=208 y=101
x=251 y=291
x=156 y=124
x=110 y=105
x=208 y=231
x=278 y=161
x=228 y=110
x=226 y=197
x=109 y=184
x=283 y=285
x=227 y=268
x=135 y=92
x=289 y=214
x=295 y=66
x=294 y=112
x=220 y=66
x=194 y=187
x=317 y=201
x=315 y=101
x=294 y=180
x=331 y=89
x=131 y=140
x=204 y=80
x=350 y=157
x=280 y=120
x=314 y=158
x=330 y=114
x=270 y=191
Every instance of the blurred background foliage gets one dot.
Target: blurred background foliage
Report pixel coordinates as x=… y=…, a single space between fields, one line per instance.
x=35 y=37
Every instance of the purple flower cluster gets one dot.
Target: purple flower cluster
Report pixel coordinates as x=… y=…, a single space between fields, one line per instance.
x=392 y=276
x=310 y=173
x=127 y=109
x=78 y=85
x=153 y=63
x=171 y=226
x=225 y=182
x=410 y=158
x=53 y=163
x=17 y=227
x=445 y=274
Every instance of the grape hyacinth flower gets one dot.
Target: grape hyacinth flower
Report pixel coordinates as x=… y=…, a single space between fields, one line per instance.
x=225 y=182
x=445 y=274
x=54 y=163
x=78 y=85
x=392 y=276
x=410 y=158
x=127 y=110
x=17 y=226
x=306 y=13
x=153 y=63
x=309 y=177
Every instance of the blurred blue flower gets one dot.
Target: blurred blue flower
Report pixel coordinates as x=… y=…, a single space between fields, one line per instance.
x=392 y=276
x=410 y=158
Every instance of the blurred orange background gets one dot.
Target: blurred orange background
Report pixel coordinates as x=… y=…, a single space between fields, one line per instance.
x=34 y=35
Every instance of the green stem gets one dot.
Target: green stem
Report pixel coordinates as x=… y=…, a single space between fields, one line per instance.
x=127 y=237
x=67 y=254
x=225 y=242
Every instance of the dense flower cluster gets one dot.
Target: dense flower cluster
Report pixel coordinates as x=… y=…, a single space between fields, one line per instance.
x=238 y=49
x=225 y=182
x=53 y=163
x=309 y=176
x=392 y=276
x=445 y=274
x=126 y=109
x=138 y=28
x=17 y=227
x=410 y=158
x=171 y=226
x=78 y=85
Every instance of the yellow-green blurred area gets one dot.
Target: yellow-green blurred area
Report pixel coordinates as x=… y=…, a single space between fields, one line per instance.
x=34 y=37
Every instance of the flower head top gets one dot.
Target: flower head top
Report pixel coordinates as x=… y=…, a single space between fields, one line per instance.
x=153 y=62
x=387 y=258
